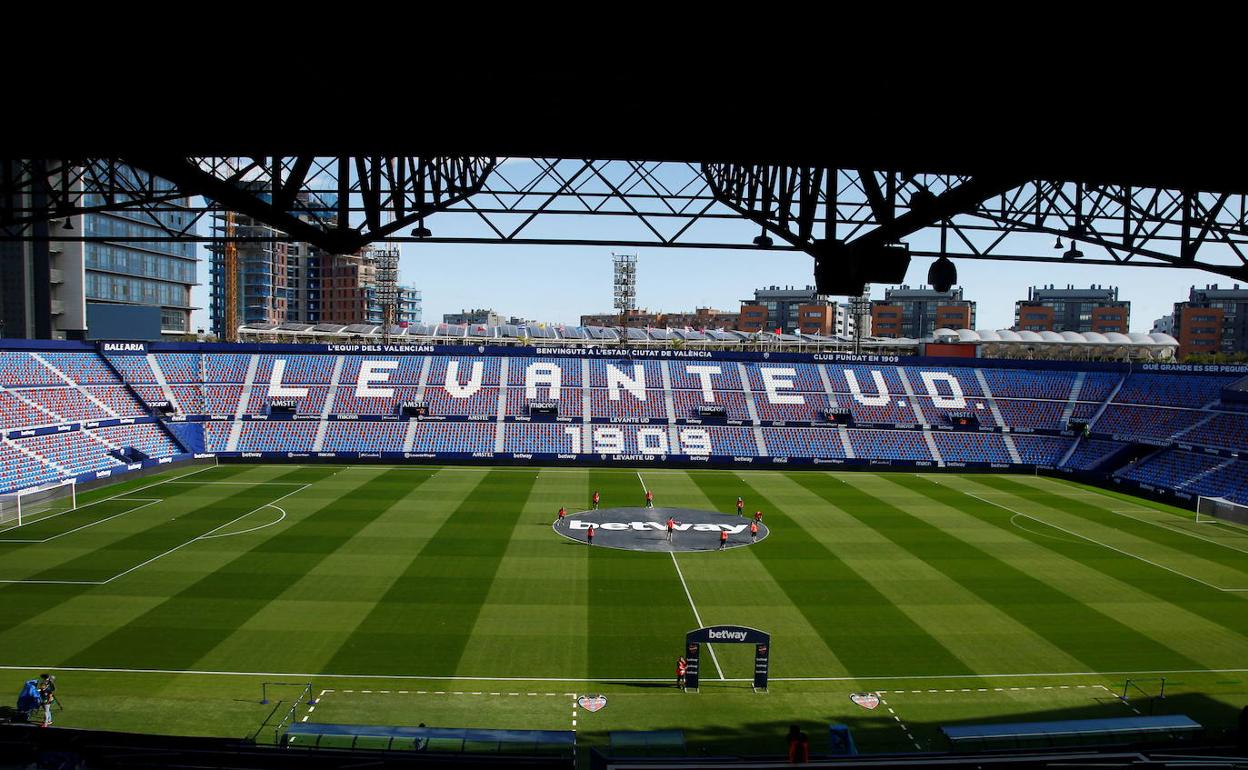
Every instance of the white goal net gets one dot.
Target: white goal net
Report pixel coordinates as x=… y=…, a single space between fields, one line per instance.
x=1220 y=509
x=31 y=505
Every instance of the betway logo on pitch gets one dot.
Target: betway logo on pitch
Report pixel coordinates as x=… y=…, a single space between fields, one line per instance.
x=642 y=526
x=725 y=636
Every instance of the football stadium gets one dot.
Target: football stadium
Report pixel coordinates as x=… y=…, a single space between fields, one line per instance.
x=298 y=545
x=261 y=510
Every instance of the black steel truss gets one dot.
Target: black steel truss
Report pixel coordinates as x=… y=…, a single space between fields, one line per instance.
x=843 y=216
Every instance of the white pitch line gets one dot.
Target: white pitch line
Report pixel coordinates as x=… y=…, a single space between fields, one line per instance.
x=900 y=723
x=201 y=537
x=416 y=677
x=146 y=502
x=710 y=648
x=1104 y=545
x=1172 y=528
x=278 y=520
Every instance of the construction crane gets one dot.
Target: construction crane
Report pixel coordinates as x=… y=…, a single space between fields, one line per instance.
x=231 y=279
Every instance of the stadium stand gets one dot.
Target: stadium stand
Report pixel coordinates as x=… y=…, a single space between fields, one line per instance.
x=1145 y=422
x=971 y=447
x=1092 y=452
x=569 y=402
x=20 y=469
x=148 y=438
x=627 y=405
x=74 y=451
x=277 y=436
x=363 y=436
x=23 y=369
x=64 y=387
x=811 y=442
x=1171 y=389
x=1041 y=450
x=889 y=444
x=687 y=402
x=454 y=437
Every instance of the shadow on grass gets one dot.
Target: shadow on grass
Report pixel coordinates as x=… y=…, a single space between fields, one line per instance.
x=879 y=732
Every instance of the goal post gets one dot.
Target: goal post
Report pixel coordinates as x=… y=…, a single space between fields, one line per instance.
x=1220 y=509
x=29 y=505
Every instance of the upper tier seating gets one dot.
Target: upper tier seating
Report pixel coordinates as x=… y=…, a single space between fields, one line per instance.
x=1171 y=389
x=1158 y=423
x=1092 y=452
x=148 y=438
x=1041 y=450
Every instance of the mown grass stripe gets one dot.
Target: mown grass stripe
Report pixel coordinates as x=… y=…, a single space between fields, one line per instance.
x=21 y=602
x=182 y=628
x=638 y=613
x=441 y=592
x=537 y=600
x=866 y=631
x=1100 y=641
x=1222 y=608
x=1191 y=546
x=733 y=587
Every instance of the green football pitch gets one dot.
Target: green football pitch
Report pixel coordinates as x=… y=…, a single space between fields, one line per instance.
x=441 y=595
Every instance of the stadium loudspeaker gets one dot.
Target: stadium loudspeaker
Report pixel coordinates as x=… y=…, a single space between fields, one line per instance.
x=846 y=268
x=943 y=274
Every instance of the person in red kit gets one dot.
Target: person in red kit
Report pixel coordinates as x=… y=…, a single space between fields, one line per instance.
x=596 y=499
x=649 y=499
x=681 y=666
x=723 y=539
x=590 y=534
x=758 y=515
x=754 y=532
x=562 y=512
x=671 y=527
x=740 y=507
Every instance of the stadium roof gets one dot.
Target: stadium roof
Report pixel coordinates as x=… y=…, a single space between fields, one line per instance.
x=1004 y=343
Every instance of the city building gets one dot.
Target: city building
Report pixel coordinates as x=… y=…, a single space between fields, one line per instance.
x=917 y=313
x=46 y=287
x=701 y=318
x=41 y=286
x=475 y=316
x=295 y=282
x=636 y=318
x=148 y=273
x=1094 y=309
x=1164 y=325
x=1212 y=320
x=776 y=307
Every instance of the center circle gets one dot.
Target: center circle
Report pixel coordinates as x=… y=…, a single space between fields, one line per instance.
x=645 y=529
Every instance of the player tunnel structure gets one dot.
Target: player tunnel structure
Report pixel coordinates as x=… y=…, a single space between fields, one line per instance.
x=85 y=411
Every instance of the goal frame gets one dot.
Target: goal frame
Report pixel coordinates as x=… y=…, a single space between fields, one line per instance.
x=23 y=506
x=1219 y=509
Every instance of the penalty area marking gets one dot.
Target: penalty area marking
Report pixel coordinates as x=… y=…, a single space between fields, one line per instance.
x=197 y=538
x=145 y=500
x=276 y=521
x=1104 y=545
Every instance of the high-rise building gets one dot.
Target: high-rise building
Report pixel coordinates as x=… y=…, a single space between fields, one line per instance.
x=1095 y=309
x=47 y=286
x=1212 y=320
x=41 y=285
x=297 y=282
x=917 y=313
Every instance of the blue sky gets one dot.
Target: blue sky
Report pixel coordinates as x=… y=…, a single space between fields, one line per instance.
x=559 y=283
